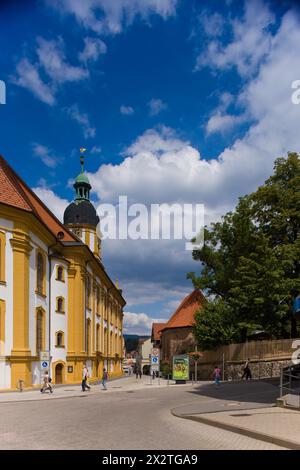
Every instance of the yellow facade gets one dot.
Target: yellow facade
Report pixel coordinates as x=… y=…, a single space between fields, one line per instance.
x=55 y=298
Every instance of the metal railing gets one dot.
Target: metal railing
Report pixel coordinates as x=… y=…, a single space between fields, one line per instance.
x=287 y=376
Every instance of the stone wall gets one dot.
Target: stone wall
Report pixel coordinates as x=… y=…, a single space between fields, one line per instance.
x=266 y=357
x=234 y=370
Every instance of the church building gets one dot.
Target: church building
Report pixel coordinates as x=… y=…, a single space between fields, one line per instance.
x=177 y=336
x=59 y=309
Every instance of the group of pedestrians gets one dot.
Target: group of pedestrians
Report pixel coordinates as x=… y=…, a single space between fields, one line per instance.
x=84 y=384
x=247 y=374
x=138 y=373
x=85 y=376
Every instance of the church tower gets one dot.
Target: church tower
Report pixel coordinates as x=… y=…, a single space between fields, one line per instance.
x=81 y=216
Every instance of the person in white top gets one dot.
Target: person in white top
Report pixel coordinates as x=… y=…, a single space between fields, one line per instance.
x=46 y=383
x=85 y=376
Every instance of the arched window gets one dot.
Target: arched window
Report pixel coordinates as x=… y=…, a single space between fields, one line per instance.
x=88 y=336
x=110 y=345
x=98 y=300
x=2 y=256
x=88 y=292
x=60 y=273
x=60 y=304
x=60 y=339
x=39 y=331
x=98 y=338
x=105 y=339
x=40 y=273
x=2 y=326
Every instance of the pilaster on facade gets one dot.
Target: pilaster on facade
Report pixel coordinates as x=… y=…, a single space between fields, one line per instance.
x=43 y=282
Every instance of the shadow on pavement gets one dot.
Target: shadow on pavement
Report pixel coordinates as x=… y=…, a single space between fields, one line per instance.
x=254 y=391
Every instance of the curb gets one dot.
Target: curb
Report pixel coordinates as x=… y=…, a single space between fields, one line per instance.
x=77 y=394
x=53 y=397
x=241 y=430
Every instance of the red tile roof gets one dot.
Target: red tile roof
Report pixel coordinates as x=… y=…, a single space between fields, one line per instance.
x=185 y=313
x=9 y=194
x=14 y=192
x=156 y=331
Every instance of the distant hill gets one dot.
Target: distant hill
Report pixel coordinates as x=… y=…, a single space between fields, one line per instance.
x=131 y=341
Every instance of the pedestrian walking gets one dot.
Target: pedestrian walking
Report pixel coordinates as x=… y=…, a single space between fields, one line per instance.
x=140 y=373
x=104 y=379
x=247 y=371
x=217 y=375
x=85 y=376
x=46 y=383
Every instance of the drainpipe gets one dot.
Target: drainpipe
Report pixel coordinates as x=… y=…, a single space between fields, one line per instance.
x=49 y=288
x=108 y=326
x=84 y=303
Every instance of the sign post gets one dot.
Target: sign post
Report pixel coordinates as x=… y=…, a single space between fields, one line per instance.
x=44 y=363
x=181 y=368
x=155 y=363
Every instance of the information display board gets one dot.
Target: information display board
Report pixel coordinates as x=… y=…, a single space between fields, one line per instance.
x=181 y=367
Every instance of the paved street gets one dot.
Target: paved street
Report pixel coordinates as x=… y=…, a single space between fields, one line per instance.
x=130 y=415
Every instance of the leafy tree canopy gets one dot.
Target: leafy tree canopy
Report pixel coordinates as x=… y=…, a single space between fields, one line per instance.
x=250 y=263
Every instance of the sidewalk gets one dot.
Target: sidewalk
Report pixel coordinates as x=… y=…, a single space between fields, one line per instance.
x=245 y=408
x=70 y=391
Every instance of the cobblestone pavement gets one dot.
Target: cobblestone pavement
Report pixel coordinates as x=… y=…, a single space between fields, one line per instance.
x=278 y=424
x=136 y=416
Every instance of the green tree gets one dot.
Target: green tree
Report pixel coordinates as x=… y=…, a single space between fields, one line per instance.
x=276 y=210
x=215 y=325
x=250 y=263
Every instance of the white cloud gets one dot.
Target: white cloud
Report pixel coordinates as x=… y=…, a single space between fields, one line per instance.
x=252 y=41
x=226 y=99
x=95 y=149
x=82 y=118
x=160 y=140
x=222 y=120
x=93 y=48
x=28 y=77
x=52 y=58
x=111 y=16
x=212 y=24
x=139 y=323
x=156 y=106
x=219 y=122
x=127 y=110
x=55 y=203
x=52 y=62
x=160 y=166
x=46 y=155
x=149 y=291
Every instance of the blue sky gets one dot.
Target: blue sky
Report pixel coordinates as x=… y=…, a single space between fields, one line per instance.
x=174 y=100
